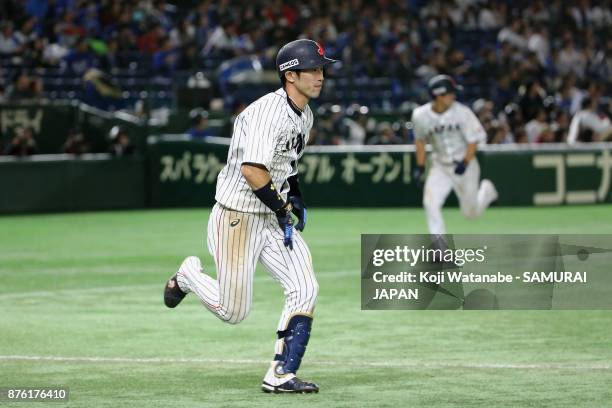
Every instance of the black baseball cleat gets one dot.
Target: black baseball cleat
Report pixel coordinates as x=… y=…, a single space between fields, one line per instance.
x=294 y=385
x=173 y=293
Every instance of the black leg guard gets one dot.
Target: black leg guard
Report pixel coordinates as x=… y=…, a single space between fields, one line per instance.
x=295 y=339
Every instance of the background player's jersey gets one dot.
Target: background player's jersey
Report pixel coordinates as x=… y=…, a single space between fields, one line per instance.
x=449 y=132
x=268 y=132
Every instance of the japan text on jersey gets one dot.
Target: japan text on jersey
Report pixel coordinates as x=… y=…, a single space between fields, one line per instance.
x=448 y=132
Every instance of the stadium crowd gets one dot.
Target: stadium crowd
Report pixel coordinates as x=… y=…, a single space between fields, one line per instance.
x=528 y=67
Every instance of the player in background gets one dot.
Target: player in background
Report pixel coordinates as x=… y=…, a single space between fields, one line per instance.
x=587 y=125
x=454 y=133
x=257 y=191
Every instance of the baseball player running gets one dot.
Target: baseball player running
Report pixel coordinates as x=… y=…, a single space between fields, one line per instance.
x=257 y=191
x=454 y=133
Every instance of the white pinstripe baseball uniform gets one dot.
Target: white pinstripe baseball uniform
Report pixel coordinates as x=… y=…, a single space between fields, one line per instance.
x=242 y=230
x=449 y=134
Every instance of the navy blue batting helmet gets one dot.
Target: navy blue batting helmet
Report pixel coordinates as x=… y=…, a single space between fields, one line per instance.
x=443 y=84
x=301 y=54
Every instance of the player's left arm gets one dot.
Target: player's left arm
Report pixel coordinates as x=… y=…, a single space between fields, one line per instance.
x=471 y=152
x=297 y=202
x=255 y=174
x=474 y=134
x=295 y=194
x=420 y=143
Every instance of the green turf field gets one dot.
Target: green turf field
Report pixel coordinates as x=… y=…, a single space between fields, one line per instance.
x=81 y=306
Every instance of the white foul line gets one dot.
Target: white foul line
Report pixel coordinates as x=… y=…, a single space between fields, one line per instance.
x=143 y=287
x=363 y=364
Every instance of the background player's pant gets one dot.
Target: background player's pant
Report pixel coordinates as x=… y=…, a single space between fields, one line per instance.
x=474 y=197
x=237 y=241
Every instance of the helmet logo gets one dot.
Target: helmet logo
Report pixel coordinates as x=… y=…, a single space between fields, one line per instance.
x=288 y=64
x=320 y=50
x=440 y=90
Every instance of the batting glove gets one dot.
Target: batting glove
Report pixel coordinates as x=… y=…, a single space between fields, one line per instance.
x=460 y=167
x=418 y=175
x=285 y=222
x=299 y=209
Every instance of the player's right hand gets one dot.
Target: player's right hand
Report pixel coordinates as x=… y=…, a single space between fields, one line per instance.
x=418 y=175
x=285 y=222
x=460 y=167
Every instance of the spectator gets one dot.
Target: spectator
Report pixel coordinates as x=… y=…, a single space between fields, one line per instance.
x=11 y=41
x=546 y=136
x=532 y=49
x=199 y=124
x=513 y=117
x=317 y=137
x=513 y=34
x=184 y=34
x=429 y=68
x=67 y=30
x=560 y=126
x=22 y=144
x=37 y=8
x=570 y=59
x=337 y=125
x=601 y=64
x=501 y=134
x=221 y=39
x=538 y=12
x=532 y=99
x=565 y=95
x=458 y=66
x=53 y=53
x=149 y=42
x=105 y=54
x=539 y=44
x=536 y=126
x=521 y=136
x=281 y=14
x=586 y=15
x=166 y=58
x=25 y=87
x=189 y=59
x=356 y=124
x=490 y=18
x=75 y=143
x=120 y=142
x=91 y=20
x=385 y=135
x=79 y=59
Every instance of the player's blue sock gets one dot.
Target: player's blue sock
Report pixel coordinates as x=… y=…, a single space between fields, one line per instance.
x=295 y=339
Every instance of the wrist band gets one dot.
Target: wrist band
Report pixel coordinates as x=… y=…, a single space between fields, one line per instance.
x=270 y=197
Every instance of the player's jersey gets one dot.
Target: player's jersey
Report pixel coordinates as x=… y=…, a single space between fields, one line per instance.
x=448 y=132
x=269 y=132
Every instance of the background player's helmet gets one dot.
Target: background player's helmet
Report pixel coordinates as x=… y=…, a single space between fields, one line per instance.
x=301 y=54
x=442 y=84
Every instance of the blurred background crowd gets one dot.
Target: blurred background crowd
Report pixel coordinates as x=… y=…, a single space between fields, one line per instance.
x=533 y=71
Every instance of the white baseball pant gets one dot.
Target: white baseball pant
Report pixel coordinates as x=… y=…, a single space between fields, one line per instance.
x=474 y=198
x=237 y=241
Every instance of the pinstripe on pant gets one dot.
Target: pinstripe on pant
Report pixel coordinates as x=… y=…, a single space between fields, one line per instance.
x=237 y=241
